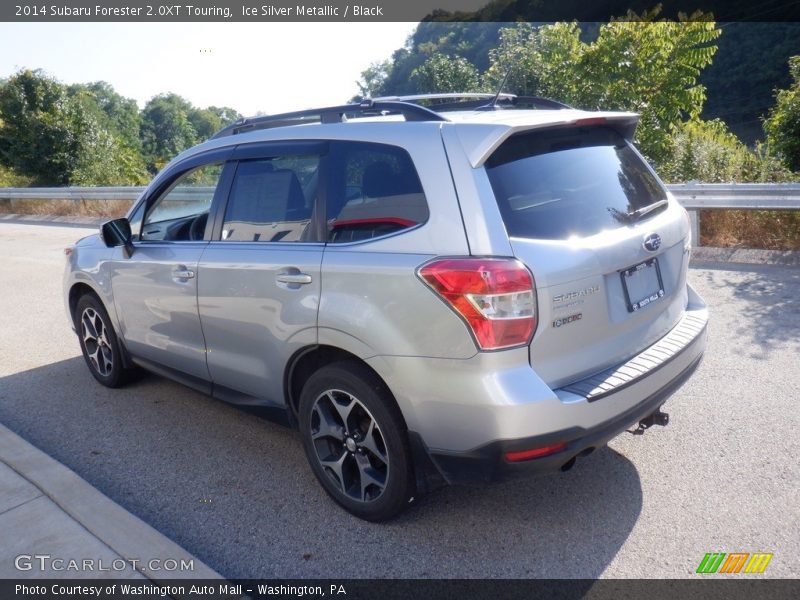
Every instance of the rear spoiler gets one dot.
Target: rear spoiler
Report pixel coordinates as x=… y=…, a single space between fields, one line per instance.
x=480 y=141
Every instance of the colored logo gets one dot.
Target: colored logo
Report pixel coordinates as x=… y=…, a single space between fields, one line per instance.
x=735 y=562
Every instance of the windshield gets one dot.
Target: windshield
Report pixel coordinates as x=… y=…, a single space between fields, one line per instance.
x=561 y=183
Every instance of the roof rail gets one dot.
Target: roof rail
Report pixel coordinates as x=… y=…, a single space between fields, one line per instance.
x=477 y=101
x=332 y=114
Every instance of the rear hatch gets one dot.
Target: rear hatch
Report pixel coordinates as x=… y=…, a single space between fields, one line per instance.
x=607 y=246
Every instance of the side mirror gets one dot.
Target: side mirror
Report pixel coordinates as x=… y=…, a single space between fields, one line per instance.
x=117 y=233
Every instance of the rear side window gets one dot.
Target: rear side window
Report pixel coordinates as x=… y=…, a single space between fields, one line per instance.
x=374 y=191
x=561 y=183
x=271 y=200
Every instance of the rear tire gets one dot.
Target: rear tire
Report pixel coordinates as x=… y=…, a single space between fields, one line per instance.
x=99 y=343
x=355 y=441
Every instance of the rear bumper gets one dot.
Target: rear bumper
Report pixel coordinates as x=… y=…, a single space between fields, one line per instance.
x=486 y=464
x=583 y=416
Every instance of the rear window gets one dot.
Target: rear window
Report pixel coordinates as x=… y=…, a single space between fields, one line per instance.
x=561 y=183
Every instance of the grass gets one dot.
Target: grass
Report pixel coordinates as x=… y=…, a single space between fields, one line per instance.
x=83 y=208
x=764 y=229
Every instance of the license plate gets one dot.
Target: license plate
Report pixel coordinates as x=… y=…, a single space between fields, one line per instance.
x=642 y=284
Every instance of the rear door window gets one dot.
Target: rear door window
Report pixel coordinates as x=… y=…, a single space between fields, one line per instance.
x=561 y=183
x=374 y=191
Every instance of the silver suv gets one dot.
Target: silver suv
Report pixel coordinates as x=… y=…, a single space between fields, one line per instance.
x=451 y=293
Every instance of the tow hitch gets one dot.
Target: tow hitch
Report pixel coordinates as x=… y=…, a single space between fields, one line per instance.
x=656 y=418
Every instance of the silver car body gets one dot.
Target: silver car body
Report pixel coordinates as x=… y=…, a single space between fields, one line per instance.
x=236 y=328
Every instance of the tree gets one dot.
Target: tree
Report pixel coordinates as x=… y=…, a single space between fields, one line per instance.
x=636 y=64
x=783 y=125
x=372 y=80
x=52 y=136
x=116 y=155
x=441 y=74
x=120 y=114
x=208 y=121
x=166 y=129
x=35 y=139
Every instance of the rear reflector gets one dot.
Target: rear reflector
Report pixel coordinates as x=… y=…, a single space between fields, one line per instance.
x=495 y=297
x=534 y=453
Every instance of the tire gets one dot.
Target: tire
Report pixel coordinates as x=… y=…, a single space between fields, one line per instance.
x=99 y=343
x=355 y=441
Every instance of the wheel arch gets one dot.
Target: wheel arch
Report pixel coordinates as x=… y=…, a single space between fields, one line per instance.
x=307 y=360
x=79 y=289
x=310 y=359
x=76 y=291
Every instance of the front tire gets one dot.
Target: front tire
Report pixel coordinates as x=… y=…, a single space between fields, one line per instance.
x=355 y=441
x=99 y=343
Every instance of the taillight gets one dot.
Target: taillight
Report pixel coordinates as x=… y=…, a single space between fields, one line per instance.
x=495 y=296
x=590 y=121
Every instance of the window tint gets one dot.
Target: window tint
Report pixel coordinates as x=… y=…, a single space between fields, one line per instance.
x=374 y=191
x=570 y=182
x=271 y=200
x=181 y=213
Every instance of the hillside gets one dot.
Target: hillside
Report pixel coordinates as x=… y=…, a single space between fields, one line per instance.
x=750 y=64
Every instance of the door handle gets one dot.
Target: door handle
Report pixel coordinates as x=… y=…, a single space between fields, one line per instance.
x=301 y=278
x=182 y=273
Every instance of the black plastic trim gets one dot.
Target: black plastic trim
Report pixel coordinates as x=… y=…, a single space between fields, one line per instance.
x=643 y=364
x=196 y=383
x=331 y=114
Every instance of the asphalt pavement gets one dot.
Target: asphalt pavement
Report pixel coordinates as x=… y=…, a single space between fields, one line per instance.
x=234 y=489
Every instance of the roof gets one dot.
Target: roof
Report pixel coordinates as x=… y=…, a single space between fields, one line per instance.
x=481 y=125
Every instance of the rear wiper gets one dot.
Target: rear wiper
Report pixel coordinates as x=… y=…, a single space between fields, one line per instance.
x=639 y=213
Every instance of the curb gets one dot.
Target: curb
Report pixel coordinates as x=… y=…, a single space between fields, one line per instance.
x=121 y=531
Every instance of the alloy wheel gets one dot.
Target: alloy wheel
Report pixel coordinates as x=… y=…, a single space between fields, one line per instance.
x=94 y=333
x=349 y=445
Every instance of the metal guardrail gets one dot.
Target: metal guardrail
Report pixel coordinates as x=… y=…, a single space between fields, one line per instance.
x=737 y=196
x=740 y=196
x=693 y=196
x=71 y=193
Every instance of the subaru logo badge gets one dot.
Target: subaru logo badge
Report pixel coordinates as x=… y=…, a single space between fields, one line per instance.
x=652 y=242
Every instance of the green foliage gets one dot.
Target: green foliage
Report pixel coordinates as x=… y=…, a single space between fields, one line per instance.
x=10 y=178
x=119 y=114
x=373 y=79
x=170 y=125
x=53 y=135
x=783 y=125
x=750 y=64
x=442 y=74
x=636 y=64
x=208 y=121
x=166 y=129
x=707 y=151
x=113 y=123
x=36 y=139
x=87 y=134
x=471 y=41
